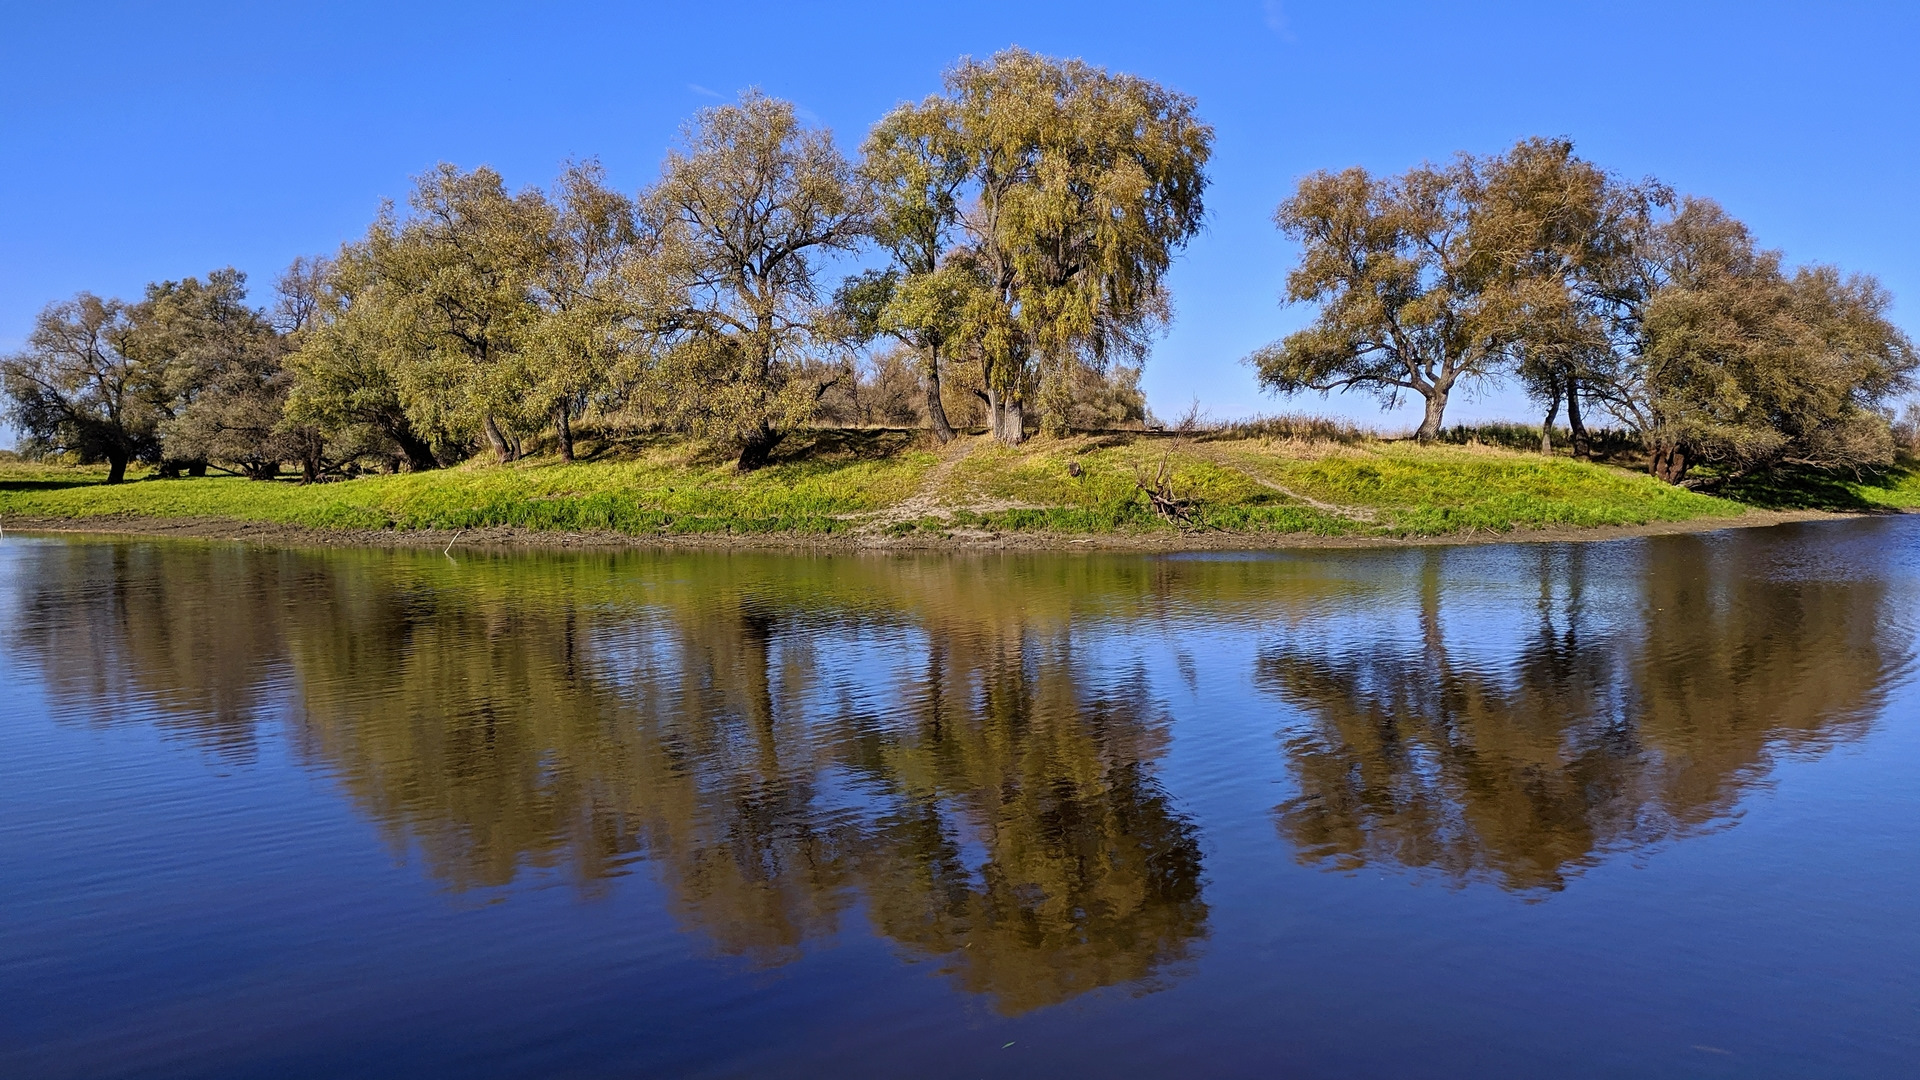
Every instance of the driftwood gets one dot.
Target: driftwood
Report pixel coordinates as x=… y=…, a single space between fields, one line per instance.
x=1158 y=489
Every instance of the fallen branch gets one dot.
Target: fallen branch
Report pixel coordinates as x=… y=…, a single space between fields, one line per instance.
x=1159 y=492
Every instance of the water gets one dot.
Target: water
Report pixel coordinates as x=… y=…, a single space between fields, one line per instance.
x=1637 y=808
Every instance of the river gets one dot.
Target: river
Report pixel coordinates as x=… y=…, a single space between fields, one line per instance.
x=1645 y=807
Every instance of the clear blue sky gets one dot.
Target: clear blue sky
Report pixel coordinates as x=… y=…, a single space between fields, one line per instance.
x=149 y=141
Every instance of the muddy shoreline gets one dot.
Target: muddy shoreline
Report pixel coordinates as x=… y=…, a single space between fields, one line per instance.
x=959 y=540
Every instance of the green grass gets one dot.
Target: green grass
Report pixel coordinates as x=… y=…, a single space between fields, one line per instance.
x=835 y=483
x=1437 y=490
x=669 y=490
x=1894 y=488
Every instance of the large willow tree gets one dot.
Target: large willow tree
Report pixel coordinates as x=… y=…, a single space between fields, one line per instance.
x=1558 y=231
x=479 y=312
x=1724 y=357
x=1069 y=189
x=735 y=228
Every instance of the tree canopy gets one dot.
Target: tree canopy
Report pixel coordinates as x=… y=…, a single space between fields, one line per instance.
x=1082 y=185
x=997 y=253
x=1404 y=282
x=1742 y=365
x=734 y=232
x=1590 y=290
x=78 y=388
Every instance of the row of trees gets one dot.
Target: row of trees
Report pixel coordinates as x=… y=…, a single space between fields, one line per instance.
x=190 y=373
x=1028 y=216
x=1660 y=312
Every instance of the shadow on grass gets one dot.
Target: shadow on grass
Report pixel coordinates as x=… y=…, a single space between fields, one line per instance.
x=48 y=483
x=1817 y=489
x=844 y=445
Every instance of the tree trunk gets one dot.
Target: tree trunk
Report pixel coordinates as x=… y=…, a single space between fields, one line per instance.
x=418 y=454
x=1436 y=411
x=117 y=466
x=1546 y=426
x=197 y=467
x=564 y=429
x=758 y=447
x=936 y=409
x=502 y=452
x=996 y=413
x=309 y=468
x=1669 y=461
x=1582 y=446
x=1014 y=427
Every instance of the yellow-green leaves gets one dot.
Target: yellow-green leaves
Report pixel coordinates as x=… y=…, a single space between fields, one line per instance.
x=1081 y=185
x=736 y=223
x=1394 y=267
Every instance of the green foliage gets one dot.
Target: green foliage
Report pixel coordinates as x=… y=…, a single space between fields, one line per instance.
x=736 y=224
x=480 y=313
x=1604 y=444
x=1591 y=291
x=1081 y=185
x=581 y=341
x=1298 y=427
x=1403 y=283
x=1745 y=367
x=453 y=296
x=81 y=387
x=223 y=364
x=345 y=382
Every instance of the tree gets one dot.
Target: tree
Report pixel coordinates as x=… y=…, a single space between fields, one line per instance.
x=579 y=333
x=1402 y=283
x=344 y=384
x=78 y=388
x=1556 y=230
x=223 y=361
x=1722 y=357
x=1082 y=186
x=915 y=162
x=734 y=227
x=459 y=279
x=299 y=302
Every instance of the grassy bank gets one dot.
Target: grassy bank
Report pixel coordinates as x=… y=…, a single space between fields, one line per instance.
x=890 y=486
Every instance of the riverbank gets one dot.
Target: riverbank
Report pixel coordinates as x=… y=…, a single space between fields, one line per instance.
x=893 y=489
x=502 y=537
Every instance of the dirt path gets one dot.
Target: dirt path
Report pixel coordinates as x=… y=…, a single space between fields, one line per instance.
x=926 y=501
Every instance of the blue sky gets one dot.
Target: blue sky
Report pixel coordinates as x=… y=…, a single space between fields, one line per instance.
x=149 y=141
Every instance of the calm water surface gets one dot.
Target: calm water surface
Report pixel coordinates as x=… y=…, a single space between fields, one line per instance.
x=1643 y=808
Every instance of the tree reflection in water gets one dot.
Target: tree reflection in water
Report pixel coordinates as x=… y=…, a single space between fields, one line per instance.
x=1521 y=746
x=967 y=752
x=777 y=740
